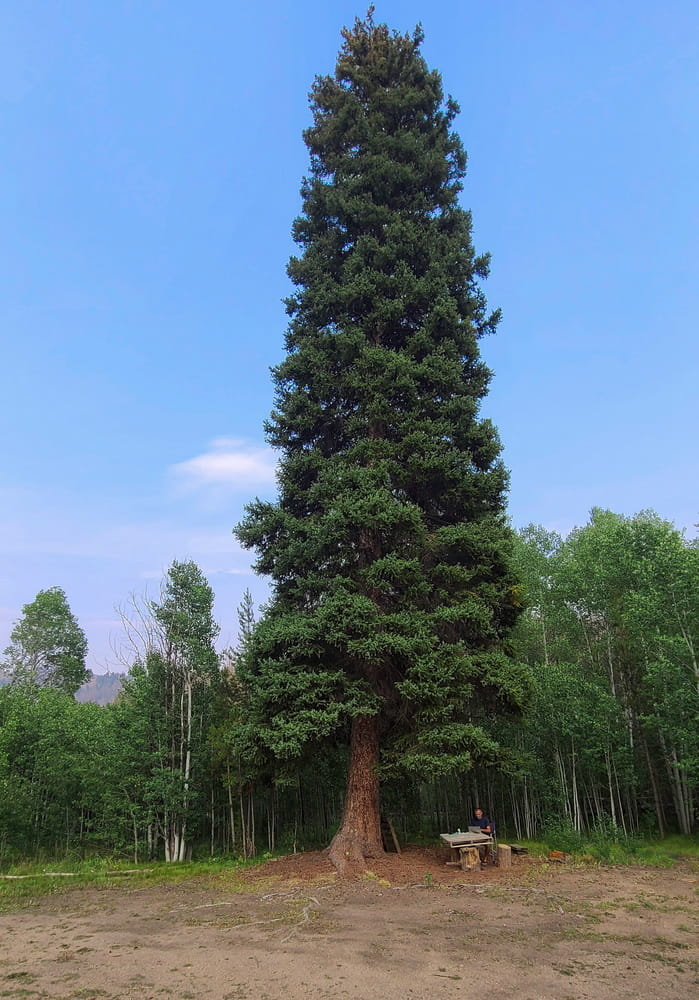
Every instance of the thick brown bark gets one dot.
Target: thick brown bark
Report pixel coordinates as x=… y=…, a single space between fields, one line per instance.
x=359 y=836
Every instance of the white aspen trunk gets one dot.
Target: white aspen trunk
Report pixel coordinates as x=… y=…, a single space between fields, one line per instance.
x=514 y=799
x=670 y=761
x=690 y=803
x=527 y=810
x=251 y=825
x=577 y=815
x=563 y=782
x=167 y=837
x=135 y=839
x=213 y=818
x=187 y=768
x=173 y=709
x=654 y=786
x=594 y=799
x=182 y=844
x=179 y=760
x=619 y=799
x=687 y=799
x=610 y=662
x=231 y=810
x=679 y=793
x=586 y=637
x=607 y=760
x=243 y=827
x=188 y=736
x=688 y=640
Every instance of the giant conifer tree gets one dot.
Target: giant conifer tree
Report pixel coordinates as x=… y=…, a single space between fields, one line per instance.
x=388 y=548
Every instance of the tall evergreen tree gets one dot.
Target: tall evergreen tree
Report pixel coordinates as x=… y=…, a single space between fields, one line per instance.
x=388 y=546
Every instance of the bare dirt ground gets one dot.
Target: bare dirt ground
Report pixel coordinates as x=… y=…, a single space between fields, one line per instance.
x=410 y=928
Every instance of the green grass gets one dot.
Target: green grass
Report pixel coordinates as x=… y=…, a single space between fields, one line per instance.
x=673 y=848
x=604 y=848
x=103 y=873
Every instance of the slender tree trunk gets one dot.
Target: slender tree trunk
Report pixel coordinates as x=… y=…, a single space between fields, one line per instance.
x=543 y=633
x=689 y=642
x=243 y=824
x=610 y=663
x=167 y=837
x=135 y=838
x=654 y=786
x=231 y=810
x=677 y=786
x=252 y=849
x=563 y=783
x=213 y=822
x=186 y=757
x=359 y=836
x=612 y=804
x=577 y=813
x=619 y=799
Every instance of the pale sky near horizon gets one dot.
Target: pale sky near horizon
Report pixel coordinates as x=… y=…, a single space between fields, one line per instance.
x=152 y=158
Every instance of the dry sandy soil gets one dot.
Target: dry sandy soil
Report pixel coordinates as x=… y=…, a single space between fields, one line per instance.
x=411 y=928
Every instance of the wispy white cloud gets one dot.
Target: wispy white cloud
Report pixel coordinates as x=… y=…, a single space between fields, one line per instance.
x=100 y=549
x=227 y=463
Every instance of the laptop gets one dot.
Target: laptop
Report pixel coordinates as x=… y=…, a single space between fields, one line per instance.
x=476 y=829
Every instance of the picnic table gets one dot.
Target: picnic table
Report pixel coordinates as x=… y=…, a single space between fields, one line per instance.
x=456 y=841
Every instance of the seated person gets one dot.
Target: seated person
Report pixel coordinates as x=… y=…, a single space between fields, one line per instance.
x=487 y=827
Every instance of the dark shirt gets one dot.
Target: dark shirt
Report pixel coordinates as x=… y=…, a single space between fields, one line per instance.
x=482 y=823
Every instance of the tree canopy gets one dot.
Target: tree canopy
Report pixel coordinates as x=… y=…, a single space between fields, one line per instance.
x=388 y=548
x=47 y=646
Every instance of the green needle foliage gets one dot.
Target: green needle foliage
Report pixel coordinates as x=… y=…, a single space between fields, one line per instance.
x=388 y=546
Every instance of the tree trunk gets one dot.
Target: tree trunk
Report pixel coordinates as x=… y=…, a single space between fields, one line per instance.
x=654 y=786
x=359 y=836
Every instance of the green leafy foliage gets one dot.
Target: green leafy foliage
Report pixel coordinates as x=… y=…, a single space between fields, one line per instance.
x=52 y=790
x=167 y=709
x=47 y=646
x=611 y=631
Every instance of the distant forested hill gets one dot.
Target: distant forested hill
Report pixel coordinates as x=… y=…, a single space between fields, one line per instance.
x=102 y=689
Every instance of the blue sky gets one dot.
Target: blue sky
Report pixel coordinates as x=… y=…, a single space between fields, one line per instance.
x=152 y=158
